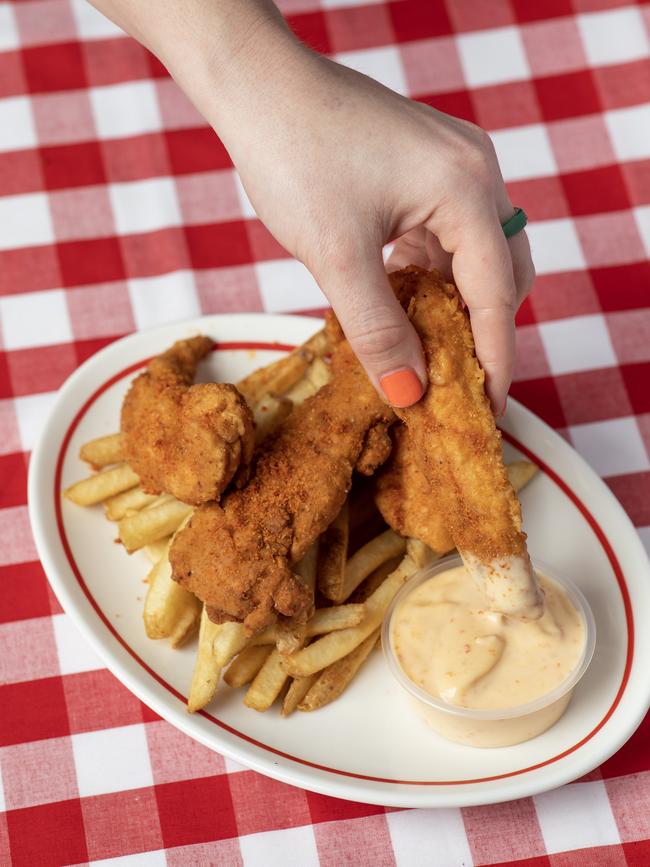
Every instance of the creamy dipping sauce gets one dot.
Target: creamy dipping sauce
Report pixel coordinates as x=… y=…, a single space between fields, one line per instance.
x=449 y=642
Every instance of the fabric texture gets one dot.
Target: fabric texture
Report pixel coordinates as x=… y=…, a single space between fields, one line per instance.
x=120 y=210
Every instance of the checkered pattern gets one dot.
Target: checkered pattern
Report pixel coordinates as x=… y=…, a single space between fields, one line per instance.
x=120 y=209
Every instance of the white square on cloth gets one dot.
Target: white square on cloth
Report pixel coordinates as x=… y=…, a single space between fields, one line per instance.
x=612 y=447
x=616 y=36
x=382 y=64
x=35 y=319
x=162 y=299
x=629 y=130
x=555 y=246
x=156 y=858
x=25 y=220
x=8 y=29
x=112 y=760
x=32 y=411
x=125 y=109
x=417 y=834
x=285 y=284
x=577 y=816
x=577 y=343
x=144 y=206
x=279 y=848
x=74 y=652
x=642 y=217
x=16 y=124
x=525 y=152
x=91 y=24
x=493 y=56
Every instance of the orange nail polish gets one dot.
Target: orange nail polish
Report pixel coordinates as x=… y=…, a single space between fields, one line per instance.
x=402 y=387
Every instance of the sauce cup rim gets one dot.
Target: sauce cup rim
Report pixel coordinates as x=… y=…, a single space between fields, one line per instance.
x=576 y=597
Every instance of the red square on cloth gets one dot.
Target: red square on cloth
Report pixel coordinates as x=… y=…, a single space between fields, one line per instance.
x=29 y=269
x=226 y=852
x=311 y=28
x=358 y=841
x=503 y=832
x=637 y=176
x=72 y=165
x=631 y=490
x=121 y=822
x=637 y=381
x=58 y=66
x=92 y=261
x=146 y=254
x=13 y=472
x=113 y=61
x=224 y=290
x=457 y=103
x=596 y=190
x=175 y=756
x=541 y=396
x=553 y=46
x=623 y=84
x=196 y=150
x=38 y=772
x=629 y=798
x=630 y=334
x=541 y=198
x=45 y=368
x=62 y=118
x=20 y=172
x=527 y=11
x=12 y=74
x=50 y=834
x=262 y=243
x=506 y=105
x=593 y=395
x=216 y=245
x=32 y=710
x=196 y=811
x=432 y=65
x=45 y=21
x=610 y=238
x=136 y=157
x=102 y=310
x=415 y=20
x=469 y=15
x=29 y=590
x=262 y=804
x=558 y=296
x=623 y=287
x=568 y=95
x=326 y=809
x=97 y=700
x=352 y=28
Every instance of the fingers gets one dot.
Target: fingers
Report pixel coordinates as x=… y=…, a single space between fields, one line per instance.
x=483 y=271
x=379 y=331
x=419 y=247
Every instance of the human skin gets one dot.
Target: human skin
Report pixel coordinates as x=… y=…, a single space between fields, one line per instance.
x=337 y=165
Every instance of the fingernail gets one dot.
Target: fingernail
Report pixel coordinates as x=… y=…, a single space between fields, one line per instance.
x=503 y=409
x=401 y=387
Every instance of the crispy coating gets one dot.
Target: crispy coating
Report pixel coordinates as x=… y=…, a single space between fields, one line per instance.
x=405 y=498
x=183 y=439
x=453 y=430
x=238 y=557
x=376 y=448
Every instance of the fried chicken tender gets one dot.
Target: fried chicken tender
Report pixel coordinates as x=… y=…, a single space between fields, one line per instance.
x=237 y=557
x=183 y=439
x=457 y=444
x=406 y=499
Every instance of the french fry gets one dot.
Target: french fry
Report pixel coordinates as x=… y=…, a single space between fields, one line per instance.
x=336 y=645
x=103 y=451
x=318 y=373
x=268 y=683
x=280 y=375
x=333 y=554
x=170 y=611
x=230 y=639
x=375 y=552
x=298 y=689
x=323 y=621
x=132 y=500
x=102 y=485
x=318 y=343
x=207 y=671
x=149 y=525
x=331 y=682
x=270 y=412
x=244 y=667
x=290 y=633
x=303 y=389
x=372 y=582
x=155 y=550
x=520 y=473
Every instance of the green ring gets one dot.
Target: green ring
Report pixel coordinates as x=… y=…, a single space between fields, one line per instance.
x=515 y=224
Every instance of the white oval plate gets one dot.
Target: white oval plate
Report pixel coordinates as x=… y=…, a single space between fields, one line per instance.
x=368 y=746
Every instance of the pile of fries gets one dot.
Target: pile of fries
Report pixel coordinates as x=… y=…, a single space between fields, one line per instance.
x=356 y=567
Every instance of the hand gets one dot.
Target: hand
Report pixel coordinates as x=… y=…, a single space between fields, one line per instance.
x=336 y=165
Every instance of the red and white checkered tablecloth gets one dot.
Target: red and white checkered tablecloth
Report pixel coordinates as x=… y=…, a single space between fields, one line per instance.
x=119 y=210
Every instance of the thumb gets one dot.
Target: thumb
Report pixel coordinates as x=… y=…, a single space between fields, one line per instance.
x=377 y=328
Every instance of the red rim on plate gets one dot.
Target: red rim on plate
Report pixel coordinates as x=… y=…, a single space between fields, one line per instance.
x=566 y=490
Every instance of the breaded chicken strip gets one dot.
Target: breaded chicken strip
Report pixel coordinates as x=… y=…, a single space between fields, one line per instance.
x=458 y=447
x=238 y=557
x=183 y=439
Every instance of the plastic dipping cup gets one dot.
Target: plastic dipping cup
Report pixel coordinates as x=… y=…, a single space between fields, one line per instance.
x=494 y=727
